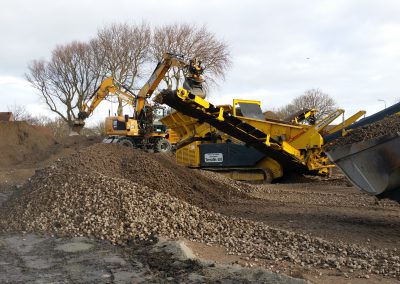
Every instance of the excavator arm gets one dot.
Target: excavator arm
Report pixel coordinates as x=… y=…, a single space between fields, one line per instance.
x=169 y=60
x=193 y=79
x=108 y=87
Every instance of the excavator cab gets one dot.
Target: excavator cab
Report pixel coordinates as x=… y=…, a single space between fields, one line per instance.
x=158 y=114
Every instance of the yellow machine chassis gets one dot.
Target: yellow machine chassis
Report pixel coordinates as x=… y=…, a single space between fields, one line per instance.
x=300 y=143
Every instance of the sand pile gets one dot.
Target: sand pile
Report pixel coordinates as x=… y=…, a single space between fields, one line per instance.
x=388 y=126
x=83 y=195
x=21 y=142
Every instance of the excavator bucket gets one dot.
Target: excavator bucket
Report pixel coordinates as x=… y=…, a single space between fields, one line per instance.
x=373 y=165
x=76 y=128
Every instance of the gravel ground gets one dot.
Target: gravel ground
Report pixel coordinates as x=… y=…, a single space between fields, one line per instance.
x=81 y=196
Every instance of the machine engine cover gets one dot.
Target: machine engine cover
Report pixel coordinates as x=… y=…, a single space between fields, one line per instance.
x=228 y=155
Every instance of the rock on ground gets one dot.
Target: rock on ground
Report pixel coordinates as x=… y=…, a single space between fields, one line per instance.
x=101 y=193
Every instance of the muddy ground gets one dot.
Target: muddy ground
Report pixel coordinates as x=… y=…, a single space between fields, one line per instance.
x=44 y=259
x=328 y=209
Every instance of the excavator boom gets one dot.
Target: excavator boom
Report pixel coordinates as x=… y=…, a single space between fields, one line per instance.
x=169 y=60
x=108 y=87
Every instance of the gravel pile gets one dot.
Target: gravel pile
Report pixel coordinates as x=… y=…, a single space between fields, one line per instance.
x=157 y=171
x=79 y=196
x=387 y=126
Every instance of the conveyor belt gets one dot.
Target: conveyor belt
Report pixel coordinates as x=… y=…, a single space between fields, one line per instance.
x=232 y=126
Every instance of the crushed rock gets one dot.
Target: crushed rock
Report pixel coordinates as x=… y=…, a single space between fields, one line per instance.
x=387 y=126
x=110 y=193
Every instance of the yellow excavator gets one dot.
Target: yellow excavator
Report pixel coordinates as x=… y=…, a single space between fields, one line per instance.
x=143 y=129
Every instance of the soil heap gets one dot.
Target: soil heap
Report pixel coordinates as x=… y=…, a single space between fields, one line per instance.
x=21 y=142
x=112 y=193
x=156 y=171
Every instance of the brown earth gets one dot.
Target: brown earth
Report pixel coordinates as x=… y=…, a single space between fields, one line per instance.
x=23 y=145
x=6 y=116
x=21 y=142
x=25 y=148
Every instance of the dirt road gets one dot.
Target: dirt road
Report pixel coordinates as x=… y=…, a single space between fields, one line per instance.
x=335 y=213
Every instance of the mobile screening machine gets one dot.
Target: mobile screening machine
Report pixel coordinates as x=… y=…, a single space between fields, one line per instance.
x=236 y=140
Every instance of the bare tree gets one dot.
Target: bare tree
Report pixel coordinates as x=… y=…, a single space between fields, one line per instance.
x=66 y=80
x=58 y=127
x=121 y=52
x=311 y=99
x=191 y=42
x=285 y=111
x=20 y=112
x=55 y=126
x=75 y=70
x=99 y=129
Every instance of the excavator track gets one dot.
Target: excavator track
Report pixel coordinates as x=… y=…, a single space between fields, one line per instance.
x=232 y=126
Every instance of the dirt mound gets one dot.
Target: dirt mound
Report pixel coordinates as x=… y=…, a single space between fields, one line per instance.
x=387 y=126
x=83 y=195
x=157 y=171
x=21 y=142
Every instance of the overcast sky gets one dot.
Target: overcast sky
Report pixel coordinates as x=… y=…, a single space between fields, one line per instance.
x=349 y=49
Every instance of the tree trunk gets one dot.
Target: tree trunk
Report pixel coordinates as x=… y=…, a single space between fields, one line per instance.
x=120 y=110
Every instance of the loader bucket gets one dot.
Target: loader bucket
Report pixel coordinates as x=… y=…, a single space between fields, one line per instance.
x=76 y=128
x=373 y=166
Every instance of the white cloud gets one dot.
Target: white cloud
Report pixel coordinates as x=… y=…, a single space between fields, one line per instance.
x=15 y=90
x=353 y=46
x=15 y=82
